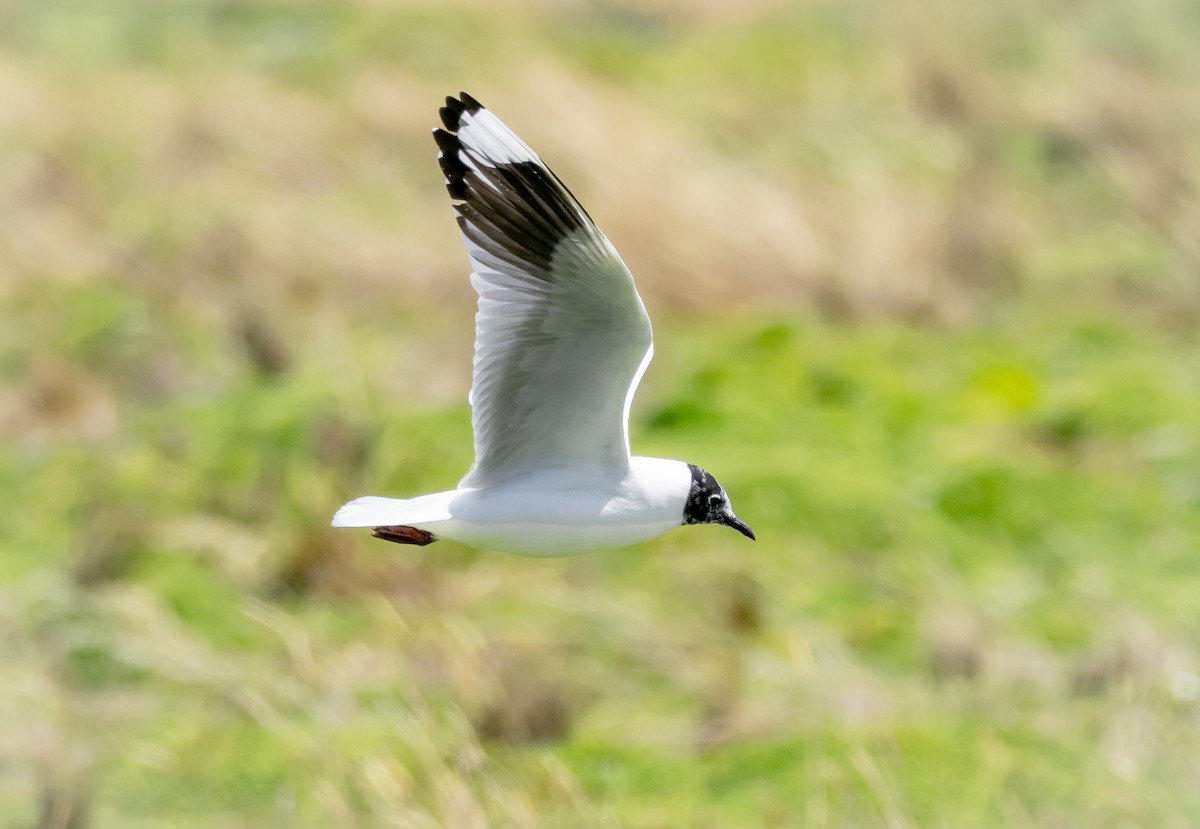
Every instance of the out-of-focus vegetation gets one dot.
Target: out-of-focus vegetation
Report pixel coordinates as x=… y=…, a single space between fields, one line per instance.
x=925 y=277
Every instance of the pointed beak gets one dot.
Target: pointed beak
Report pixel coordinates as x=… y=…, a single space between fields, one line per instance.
x=738 y=524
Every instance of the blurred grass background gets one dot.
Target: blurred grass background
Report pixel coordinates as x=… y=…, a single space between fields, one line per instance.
x=925 y=279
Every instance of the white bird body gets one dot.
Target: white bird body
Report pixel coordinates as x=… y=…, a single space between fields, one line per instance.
x=561 y=341
x=544 y=513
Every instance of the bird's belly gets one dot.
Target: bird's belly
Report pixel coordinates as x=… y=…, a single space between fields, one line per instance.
x=531 y=538
x=556 y=514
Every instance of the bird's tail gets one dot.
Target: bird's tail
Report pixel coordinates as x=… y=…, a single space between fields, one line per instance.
x=374 y=511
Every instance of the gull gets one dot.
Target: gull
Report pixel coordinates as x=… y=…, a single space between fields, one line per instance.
x=562 y=339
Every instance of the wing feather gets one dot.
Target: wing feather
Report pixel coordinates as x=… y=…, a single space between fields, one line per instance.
x=561 y=336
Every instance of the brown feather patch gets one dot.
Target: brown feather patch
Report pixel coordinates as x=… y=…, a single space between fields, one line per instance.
x=405 y=535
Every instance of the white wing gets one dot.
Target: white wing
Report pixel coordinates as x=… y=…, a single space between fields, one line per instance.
x=561 y=336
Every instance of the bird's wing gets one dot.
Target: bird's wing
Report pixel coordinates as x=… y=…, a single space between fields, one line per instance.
x=561 y=336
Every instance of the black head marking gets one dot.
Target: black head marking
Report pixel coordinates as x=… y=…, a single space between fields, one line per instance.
x=707 y=503
x=706 y=500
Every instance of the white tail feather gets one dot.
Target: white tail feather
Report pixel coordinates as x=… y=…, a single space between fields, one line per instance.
x=371 y=511
x=375 y=511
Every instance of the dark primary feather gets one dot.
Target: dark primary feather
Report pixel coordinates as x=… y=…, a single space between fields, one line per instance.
x=517 y=211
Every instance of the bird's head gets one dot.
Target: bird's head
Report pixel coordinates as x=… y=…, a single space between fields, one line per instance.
x=707 y=503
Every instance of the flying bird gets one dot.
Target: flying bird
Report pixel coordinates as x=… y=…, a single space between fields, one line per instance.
x=562 y=339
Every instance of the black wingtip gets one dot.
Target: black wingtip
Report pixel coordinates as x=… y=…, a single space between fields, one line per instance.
x=457 y=188
x=515 y=210
x=447 y=142
x=452 y=165
x=452 y=112
x=470 y=103
x=450 y=116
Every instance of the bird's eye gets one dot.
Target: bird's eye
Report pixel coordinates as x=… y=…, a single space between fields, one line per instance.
x=714 y=500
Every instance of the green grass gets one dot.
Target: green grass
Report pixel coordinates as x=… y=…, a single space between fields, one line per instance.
x=925 y=305
x=952 y=590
